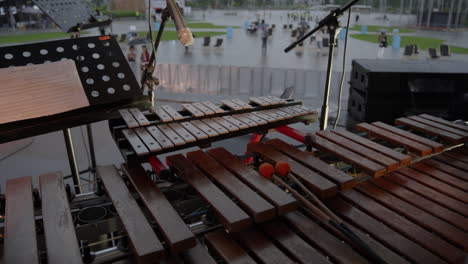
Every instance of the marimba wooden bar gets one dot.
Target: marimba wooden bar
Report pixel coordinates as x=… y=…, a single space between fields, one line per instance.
x=385 y=234
x=20 y=229
x=321 y=186
x=176 y=232
x=372 y=168
x=463 y=175
x=423 y=203
x=144 y=241
x=390 y=185
x=413 y=146
x=59 y=230
x=292 y=243
x=269 y=191
x=259 y=209
x=226 y=248
x=259 y=246
x=343 y=180
x=400 y=157
x=436 y=147
x=233 y=218
x=388 y=163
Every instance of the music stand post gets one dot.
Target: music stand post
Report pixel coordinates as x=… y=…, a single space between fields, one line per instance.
x=333 y=26
x=72 y=160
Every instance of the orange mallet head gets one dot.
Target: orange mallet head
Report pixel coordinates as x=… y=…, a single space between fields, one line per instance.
x=266 y=170
x=282 y=168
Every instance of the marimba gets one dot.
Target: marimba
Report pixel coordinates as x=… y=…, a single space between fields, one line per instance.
x=215 y=208
x=163 y=129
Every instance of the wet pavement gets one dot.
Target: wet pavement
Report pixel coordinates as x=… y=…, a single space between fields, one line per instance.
x=46 y=153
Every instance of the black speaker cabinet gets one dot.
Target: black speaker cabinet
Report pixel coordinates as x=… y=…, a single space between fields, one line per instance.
x=383 y=90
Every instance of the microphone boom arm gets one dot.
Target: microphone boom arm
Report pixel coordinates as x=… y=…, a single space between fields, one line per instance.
x=329 y=19
x=147 y=78
x=333 y=25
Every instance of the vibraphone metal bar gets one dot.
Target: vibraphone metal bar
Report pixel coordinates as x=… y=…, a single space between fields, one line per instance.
x=139 y=144
x=166 y=114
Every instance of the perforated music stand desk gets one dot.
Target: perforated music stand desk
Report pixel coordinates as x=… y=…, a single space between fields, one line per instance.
x=71 y=15
x=107 y=79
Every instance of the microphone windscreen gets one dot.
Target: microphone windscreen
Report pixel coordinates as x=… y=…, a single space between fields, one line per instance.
x=185 y=36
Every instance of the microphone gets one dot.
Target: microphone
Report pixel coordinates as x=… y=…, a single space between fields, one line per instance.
x=183 y=32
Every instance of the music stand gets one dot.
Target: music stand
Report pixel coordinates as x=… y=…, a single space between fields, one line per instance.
x=71 y=15
x=107 y=79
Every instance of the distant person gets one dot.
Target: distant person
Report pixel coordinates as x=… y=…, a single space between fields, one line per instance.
x=145 y=56
x=102 y=30
x=357 y=18
x=319 y=40
x=131 y=58
x=264 y=32
x=383 y=42
x=12 y=13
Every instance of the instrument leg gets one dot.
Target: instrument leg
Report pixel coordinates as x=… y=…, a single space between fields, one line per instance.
x=151 y=96
x=72 y=160
x=92 y=153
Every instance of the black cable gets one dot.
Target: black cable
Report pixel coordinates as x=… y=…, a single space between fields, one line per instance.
x=16 y=151
x=342 y=74
x=151 y=32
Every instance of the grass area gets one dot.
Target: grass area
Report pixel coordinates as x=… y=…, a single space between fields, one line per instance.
x=34 y=37
x=172 y=35
x=123 y=13
x=198 y=25
x=168 y=35
x=422 y=42
x=376 y=28
x=459 y=50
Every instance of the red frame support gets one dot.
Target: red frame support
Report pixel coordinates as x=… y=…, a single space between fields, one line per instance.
x=292 y=133
x=156 y=164
x=254 y=137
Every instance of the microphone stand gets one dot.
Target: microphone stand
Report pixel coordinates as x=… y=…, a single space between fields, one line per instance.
x=147 y=78
x=333 y=25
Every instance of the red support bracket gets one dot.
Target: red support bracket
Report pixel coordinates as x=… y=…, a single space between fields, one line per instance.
x=292 y=133
x=254 y=137
x=157 y=165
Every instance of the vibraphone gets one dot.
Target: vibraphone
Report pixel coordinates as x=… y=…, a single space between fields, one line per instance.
x=163 y=129
x=402 y=189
